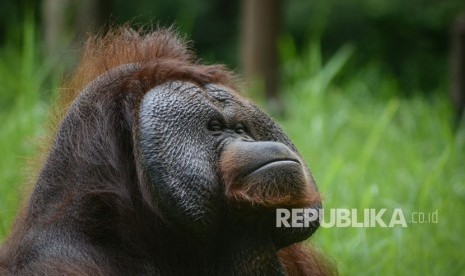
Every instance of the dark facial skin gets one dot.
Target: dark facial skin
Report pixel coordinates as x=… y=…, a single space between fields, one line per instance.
x=217 y=164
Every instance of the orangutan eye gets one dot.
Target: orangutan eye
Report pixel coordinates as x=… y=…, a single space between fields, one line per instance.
x=215 y=126
x=239 y=129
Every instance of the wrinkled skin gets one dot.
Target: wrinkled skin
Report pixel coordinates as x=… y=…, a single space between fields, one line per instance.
x=184 y=127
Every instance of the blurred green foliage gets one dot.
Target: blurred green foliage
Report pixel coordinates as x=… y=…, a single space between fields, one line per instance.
x=407 y=39
x=23 y=109
x=368 y=147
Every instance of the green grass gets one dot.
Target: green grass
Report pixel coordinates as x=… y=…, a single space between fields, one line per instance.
x=25 y=80
x=366 y=150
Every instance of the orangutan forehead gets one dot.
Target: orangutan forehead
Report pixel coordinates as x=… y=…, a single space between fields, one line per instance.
x=222 y=93
x=216 y=94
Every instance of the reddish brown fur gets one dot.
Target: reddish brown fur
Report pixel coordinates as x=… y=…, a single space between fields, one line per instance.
x=298 y=259
x=160 y=56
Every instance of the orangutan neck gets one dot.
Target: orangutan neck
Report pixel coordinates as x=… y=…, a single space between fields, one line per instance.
x=246 y=252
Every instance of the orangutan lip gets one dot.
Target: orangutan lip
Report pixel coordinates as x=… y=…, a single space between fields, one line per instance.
x=273 y=162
